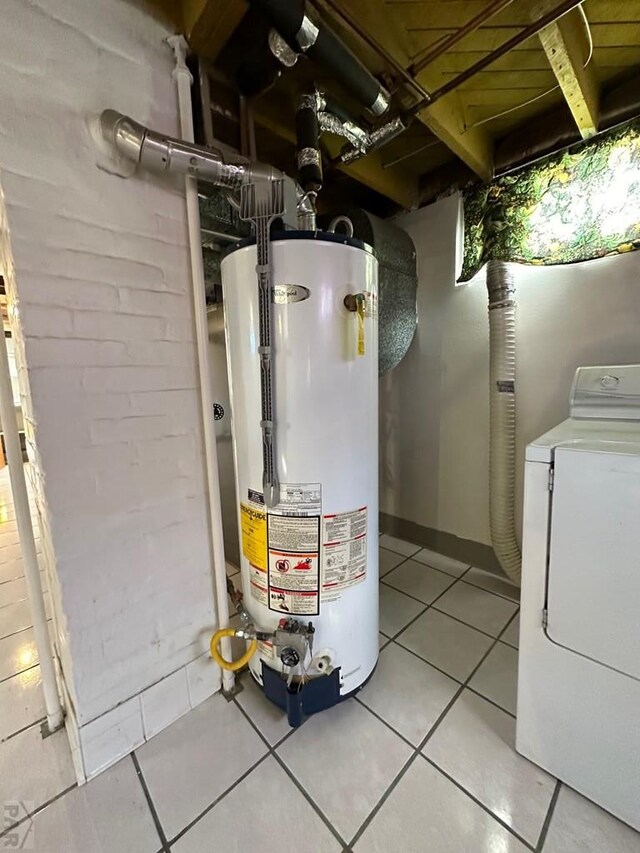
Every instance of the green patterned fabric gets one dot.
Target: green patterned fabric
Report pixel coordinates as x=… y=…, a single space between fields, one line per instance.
x=574 y=206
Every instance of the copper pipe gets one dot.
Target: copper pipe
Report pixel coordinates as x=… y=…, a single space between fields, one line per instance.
x=490 y=58
x=348 y=19
x=442 y=47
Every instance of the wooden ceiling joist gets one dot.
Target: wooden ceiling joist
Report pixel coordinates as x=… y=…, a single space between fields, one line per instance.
x=208 y=24
x=565 y=45
x=444 y=119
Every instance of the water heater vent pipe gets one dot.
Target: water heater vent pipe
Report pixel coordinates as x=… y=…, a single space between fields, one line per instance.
x=502 y=455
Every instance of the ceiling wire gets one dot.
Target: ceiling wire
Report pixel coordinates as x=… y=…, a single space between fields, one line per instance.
x=543 y=94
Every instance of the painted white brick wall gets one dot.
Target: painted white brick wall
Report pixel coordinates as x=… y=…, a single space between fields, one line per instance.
x=103 y=324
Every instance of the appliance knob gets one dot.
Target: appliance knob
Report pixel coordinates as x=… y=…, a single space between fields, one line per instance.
x=608 y=381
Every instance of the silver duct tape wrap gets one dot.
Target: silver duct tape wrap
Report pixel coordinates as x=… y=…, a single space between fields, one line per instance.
x=388 y=131
x=500 y=284
x=381 y=103
x=312 y=101
x=281 y=50
x=231 y=176
x=377 y=138
x=398 y=284
x=307 y=34
x=309 y=157
x=358 y=137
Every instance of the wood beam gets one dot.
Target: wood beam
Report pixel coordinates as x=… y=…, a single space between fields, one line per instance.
x=445 y=119
x=566 y=48
x=208 y=24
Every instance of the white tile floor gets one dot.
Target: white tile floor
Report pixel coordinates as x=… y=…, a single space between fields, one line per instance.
x=422 y=760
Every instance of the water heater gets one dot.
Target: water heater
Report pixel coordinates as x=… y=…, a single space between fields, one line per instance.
x=309 y=561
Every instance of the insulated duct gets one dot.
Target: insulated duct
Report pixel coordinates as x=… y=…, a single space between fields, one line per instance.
x=323 y=46
x=317 y=114
x=502 y=454
x=307 y=135
x=397 y=284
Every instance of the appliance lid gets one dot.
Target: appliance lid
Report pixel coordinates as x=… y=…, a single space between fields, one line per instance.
x=606 y=392
x=604 y=435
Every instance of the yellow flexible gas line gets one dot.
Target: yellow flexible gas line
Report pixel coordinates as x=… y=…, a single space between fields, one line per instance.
x=234 y=665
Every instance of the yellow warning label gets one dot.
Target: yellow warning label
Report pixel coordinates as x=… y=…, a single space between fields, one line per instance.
x=253 y=522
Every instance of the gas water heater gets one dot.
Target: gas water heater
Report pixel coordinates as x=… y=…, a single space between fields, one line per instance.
x=309 y=540
x=301 y=317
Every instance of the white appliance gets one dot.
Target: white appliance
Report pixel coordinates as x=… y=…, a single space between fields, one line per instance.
x=579 y=668
x=313 y=557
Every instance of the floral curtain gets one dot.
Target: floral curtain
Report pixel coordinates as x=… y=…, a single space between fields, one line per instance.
x=574 y=206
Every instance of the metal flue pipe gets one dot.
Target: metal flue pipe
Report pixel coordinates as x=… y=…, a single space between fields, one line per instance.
x=158 y=152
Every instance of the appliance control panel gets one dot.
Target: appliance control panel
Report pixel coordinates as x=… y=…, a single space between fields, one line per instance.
x=606 y=392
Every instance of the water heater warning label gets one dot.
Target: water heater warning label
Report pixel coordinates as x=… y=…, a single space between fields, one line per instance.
x=253 y=523
x=344 y=552
x=294 y=564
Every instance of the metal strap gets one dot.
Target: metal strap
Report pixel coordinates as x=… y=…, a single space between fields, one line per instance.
x=262 y=202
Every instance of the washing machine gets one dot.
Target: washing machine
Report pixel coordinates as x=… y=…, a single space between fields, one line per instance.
x=579 y=668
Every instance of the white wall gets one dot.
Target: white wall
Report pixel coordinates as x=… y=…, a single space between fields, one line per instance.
x=102 y=316
x=435 y=406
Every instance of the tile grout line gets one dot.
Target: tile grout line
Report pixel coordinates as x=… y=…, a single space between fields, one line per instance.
x=23 y=729
x=381 y=578
x=401 y=563
x=215 y=802
x=423 y=743
x=150 y=803
x=492 y=591
x=424 y=609
x=31 y=815
x=478 y=802
x=281 y=763
x=240 y=779
x=21 y=672
x=457 y=618
x=20 y=631
x=490 y=701
x=548 y=817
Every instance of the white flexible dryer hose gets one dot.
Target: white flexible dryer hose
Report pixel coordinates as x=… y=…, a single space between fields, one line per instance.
x=502 y=455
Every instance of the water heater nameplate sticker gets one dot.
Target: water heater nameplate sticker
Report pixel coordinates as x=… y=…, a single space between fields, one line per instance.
x=344 y=552
x=294 y=564
x=299 y=499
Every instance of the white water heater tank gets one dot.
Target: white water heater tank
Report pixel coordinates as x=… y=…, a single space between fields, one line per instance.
x=314 y=556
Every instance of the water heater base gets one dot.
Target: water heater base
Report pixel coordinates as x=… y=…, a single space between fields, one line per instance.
x=300 y=702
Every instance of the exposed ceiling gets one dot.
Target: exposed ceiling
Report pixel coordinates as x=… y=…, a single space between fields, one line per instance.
x=568 y=80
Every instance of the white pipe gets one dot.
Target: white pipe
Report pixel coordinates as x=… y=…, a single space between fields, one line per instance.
x=183 y=78
x=502 y=455
x=27 y=543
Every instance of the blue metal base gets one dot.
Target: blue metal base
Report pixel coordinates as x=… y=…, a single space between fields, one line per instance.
x=298 y=701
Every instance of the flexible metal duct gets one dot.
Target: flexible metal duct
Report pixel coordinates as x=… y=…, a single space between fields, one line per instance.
x=397 y=284
x=502 y=454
